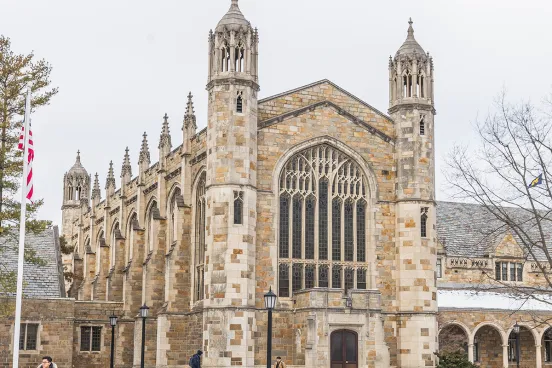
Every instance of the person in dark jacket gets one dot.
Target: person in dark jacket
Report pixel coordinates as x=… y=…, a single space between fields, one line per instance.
x=195 y=360
x=47 y=363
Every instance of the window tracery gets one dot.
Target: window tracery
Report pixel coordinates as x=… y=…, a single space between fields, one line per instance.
x=322 y=222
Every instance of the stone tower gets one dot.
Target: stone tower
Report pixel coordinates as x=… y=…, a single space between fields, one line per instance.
x=412 y=109
x=76 y=188
x=231 y=193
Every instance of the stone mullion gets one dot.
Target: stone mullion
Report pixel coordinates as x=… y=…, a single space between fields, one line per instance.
x=303 y=226
x=355 y=227
x=342 y=231
x=316 y=228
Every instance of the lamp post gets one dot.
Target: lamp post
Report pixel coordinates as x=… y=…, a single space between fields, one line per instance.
x=516 y=331
x=144 y=314
x=113 y=323
x=270 y=303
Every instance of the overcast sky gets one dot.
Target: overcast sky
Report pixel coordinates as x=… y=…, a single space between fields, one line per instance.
x=120 y=65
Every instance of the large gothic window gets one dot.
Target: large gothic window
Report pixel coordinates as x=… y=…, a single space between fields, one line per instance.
x=199 y=235
x=322 y=222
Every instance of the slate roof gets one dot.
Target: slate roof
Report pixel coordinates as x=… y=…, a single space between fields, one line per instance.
x=468 y=230
x=38 y=281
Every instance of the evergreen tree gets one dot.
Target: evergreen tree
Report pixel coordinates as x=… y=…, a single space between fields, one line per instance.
x=456 y=359
x=17 y=72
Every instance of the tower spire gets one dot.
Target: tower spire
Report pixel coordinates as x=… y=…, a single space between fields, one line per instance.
x=144 y=151
x=96 y=193
x=126 y=169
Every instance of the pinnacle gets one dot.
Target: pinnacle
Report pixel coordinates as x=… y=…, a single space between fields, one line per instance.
x=127 y=168
x=110 y=181
x=165 y=138
x=96 y=194
x=144 y=151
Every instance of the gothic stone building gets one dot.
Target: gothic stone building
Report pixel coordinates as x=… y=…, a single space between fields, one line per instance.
x=311 y=192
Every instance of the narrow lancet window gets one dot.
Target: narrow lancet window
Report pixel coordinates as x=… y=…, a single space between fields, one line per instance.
x=238 y=207
x=423 y=222
x=283 y=277
x=239 y=103
x=422 y=124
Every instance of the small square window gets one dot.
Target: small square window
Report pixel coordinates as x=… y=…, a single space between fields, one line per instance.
x=28 y=336
x=91 y=338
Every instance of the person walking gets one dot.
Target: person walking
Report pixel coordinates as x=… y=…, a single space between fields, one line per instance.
x=195 y=360
x=47 y=363
x=279 y=363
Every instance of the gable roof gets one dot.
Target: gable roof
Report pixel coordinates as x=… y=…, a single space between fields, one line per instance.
x=325 y=103
x=39 y=281
x=469 y=230
x=323 y=81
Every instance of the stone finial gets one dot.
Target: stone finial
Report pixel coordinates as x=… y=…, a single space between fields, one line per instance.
x=126 y=169
x=110 y=181
x=96 y=193
x=189 y=116
x=144 y=151
x=165 y=138
x=410 y=29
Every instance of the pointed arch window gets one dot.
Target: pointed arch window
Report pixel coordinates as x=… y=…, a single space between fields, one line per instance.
x=132 y=223
x=225 y=58
x=322 y=221
x=422 y=124
x=239 y=102
x=240 y=57
x=238 y=207
x=199 y=235
x=173 y=216
x=423 y=222
x=151 y=229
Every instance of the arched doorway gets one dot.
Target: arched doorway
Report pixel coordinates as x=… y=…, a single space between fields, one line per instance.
x=344 y=349
x=487 y=347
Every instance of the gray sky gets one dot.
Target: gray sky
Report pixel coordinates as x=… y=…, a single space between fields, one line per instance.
x=120 y=65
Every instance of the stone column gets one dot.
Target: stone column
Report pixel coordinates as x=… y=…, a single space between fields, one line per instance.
x=505 y=355
x=470 y=352
x=538 y=356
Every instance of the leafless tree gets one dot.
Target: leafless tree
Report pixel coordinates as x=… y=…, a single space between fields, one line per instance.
x=515 y=148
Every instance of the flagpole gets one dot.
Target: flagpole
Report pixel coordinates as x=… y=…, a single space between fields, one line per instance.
x=20 y=259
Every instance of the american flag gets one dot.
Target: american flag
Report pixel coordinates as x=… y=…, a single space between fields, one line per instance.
x=30 y=158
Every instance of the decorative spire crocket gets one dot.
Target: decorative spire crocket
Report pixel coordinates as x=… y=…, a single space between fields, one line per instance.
x=144 y=157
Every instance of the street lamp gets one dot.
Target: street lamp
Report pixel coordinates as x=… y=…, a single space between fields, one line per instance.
x=144 y=314
x=270 y=303
x=516 y=331
x=113 y=323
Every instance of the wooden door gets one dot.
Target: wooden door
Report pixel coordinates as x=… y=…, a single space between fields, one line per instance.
x=344 y=349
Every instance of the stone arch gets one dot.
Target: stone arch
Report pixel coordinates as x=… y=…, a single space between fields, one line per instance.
x=152 y=211
x=498 y=328
x=531 y=329
x=454 y=341
x=367 y=169
x=129 y=246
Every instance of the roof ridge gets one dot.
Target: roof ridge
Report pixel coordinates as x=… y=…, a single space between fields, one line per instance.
x=322 y=81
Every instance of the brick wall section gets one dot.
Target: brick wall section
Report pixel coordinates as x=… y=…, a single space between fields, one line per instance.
x=55 y=332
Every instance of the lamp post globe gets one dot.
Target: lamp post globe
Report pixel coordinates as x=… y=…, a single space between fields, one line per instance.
x=113 y=320
x=270 y=299
x=144 y=311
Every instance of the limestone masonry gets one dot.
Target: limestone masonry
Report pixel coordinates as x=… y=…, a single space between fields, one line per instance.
x=313 y=193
